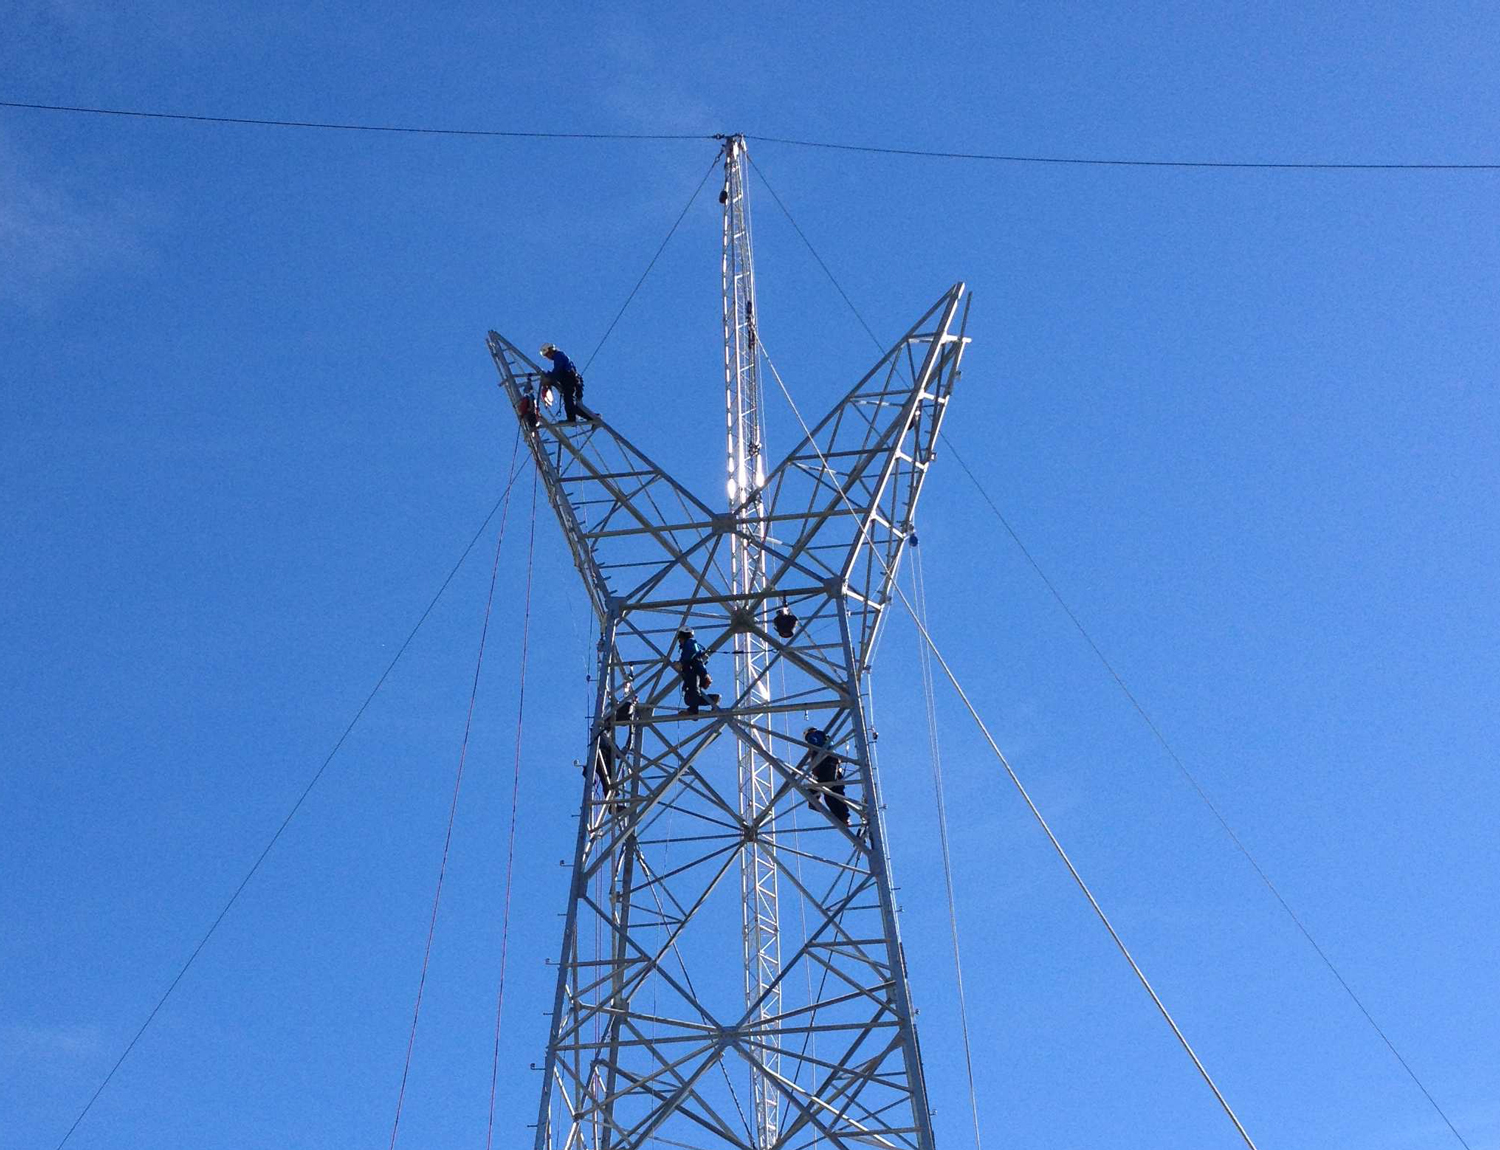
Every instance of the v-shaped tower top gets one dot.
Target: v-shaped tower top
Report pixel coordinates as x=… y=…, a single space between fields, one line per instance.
x=838 y=506
x=653 y=1021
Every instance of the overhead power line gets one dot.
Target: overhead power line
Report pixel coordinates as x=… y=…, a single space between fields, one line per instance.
x=998 y=158
x=258 y=122
x=869 y=149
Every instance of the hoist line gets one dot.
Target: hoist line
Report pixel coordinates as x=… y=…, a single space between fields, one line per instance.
x=829 y=145
x=515 y=797
x=1078 y=878
x=672 y=231
x=796 y=227
x=1203 y=795
x=1135 y=703
x=929 y=692
x=458 y=778
x=296 y=806
x=1014 y=777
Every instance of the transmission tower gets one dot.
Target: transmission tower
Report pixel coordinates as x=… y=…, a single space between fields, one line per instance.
x=659 y=1035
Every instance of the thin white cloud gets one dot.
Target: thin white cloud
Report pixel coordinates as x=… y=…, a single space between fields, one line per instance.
x=38 y=1042
x=55 y=234
x=642 y=88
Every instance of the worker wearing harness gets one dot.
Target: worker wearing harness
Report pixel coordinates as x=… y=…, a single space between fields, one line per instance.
x=566 y=378
x=824 y=767
x=692 y=665
x=606 y=751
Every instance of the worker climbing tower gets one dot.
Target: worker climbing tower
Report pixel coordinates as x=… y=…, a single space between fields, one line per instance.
x=660 y=1034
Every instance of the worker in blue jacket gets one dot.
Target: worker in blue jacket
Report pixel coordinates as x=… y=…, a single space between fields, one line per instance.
x=692 y=665
x=566 y=378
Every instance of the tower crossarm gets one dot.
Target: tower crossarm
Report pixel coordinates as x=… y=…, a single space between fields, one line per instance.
x=633 y=530
x=844 y=498
x=659 y=1036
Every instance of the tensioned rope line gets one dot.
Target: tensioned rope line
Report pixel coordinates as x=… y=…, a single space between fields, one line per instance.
x=1016 y=780
x=929 y=697
x=515 y=796
x=1135 y=703
x=872 y=149
x=1203 y=795
x=296 y=806
x=672 y=231
x=458 y=778
x=827 y=271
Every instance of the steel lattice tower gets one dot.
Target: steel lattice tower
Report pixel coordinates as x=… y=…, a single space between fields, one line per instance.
x=658 y=1036
x=757 y=778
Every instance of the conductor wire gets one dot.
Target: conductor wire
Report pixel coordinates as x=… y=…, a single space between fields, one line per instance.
x=870 y=149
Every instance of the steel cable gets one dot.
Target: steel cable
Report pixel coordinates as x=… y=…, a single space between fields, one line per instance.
x=829 y=145
x=1135 y=703
x=672 y=231
x=929 y=694
x=291 y=814
x=1020 y=787
x=515 y=795
x=257 y=122
x=458 y=778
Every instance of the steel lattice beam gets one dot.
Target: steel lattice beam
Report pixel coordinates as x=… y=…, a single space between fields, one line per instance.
x=652 y=1035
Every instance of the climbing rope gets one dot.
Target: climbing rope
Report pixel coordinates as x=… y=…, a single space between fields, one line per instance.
x=1016 y=779
x=929 y=692
x=515 y=794
x=296 y=806
x=458 y=778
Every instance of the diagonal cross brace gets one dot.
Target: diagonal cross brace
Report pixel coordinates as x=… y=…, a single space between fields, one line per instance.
x=651 y=921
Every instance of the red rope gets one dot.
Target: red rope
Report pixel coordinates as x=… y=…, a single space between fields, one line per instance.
x=458 y=779
x=515 y=793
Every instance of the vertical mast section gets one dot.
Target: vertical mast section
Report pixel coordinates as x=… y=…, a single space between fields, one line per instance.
x=757 y=782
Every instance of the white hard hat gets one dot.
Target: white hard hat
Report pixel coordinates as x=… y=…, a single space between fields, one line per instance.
x=548 y=349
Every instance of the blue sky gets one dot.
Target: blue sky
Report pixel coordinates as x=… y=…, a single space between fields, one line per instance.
x=1246 y=421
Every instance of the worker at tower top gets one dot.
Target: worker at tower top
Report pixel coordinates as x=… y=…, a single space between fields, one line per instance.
x=827 y=775
x=692 y=665
x=566 y=377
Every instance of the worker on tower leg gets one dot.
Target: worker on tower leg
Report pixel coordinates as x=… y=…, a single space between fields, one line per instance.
x=565 y=377
x=692 y=665
x=606 y=751
x=824 y=767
